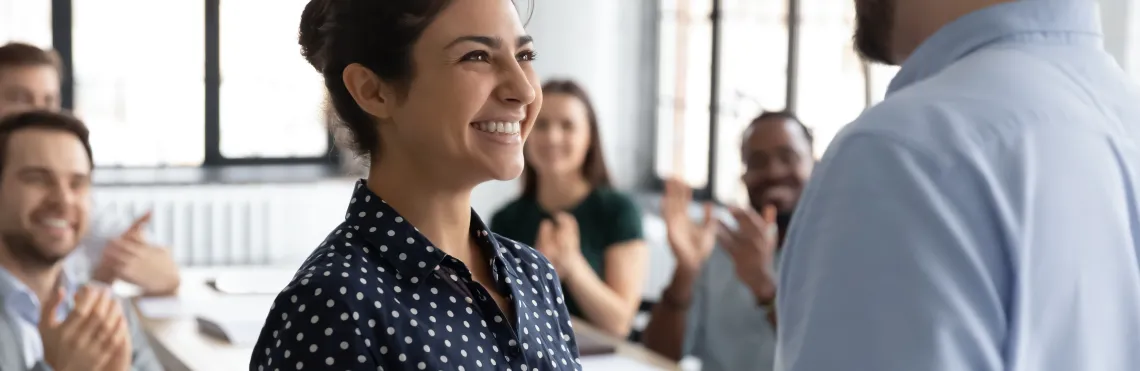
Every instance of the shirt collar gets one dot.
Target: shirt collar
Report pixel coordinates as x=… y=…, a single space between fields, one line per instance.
x=15 y=294
x=10 y=286
x=399 y=243
x=1068 y=20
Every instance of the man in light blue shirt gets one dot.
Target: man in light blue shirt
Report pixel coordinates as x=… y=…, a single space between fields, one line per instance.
x=114 y=249
x=46 y=321
x=983 y=217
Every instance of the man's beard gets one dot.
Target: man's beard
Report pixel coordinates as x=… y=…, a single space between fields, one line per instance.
x=24 y=249
x=873 y=22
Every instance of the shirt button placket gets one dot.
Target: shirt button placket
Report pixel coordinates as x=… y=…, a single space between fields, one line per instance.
x=516 y=354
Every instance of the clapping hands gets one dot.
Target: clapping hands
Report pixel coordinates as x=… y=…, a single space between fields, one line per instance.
x=558 y=240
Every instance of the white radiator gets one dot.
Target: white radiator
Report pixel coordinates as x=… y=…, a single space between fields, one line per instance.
x=231 y=224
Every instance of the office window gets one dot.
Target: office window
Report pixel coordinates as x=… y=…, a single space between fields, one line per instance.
x=26 y=21
x=270 y=97
x=684 y=94
x=139 y=80
x=831 y=86
x=753 y=65
x=831 y=83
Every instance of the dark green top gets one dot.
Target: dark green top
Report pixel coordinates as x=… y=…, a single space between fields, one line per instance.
x=605 y=217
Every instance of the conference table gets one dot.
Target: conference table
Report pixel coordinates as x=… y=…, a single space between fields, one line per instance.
x=181 y=343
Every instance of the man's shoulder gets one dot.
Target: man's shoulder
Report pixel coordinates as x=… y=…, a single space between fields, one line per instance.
x=948 y=117
x=993 y=95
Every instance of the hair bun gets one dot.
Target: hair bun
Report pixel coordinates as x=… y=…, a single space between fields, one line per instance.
x=315 y=32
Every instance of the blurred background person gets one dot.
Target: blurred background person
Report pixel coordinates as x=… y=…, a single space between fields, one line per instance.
x=52 y=319
x=569 y=211
x=114 y=248
x=718 y=306
x=29 y=78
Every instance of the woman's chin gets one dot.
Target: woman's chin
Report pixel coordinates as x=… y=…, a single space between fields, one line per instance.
x=504 y=168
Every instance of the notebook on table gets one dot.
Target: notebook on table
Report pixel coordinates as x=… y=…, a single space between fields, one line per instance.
x=235 y=319
x=590 y=344
x=265 y=282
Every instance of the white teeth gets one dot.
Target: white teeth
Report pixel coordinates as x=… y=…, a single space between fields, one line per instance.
x=498 y=127
x=55 y=223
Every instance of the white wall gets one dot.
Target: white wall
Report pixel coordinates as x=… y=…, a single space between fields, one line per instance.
x=608 y=46
x=1121 y=20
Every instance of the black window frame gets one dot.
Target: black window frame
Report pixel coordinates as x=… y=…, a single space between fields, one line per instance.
x=62 y=28
x=794 y=15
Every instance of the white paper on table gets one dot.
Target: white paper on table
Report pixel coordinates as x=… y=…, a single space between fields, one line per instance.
x=615 y=362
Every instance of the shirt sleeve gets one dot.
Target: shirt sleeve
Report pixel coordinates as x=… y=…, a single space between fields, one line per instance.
x=312 y=327
x=889 y=268
x=626 y=220
x=694 y=332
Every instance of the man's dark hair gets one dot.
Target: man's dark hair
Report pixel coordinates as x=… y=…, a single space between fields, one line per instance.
x=17 y=54
x=48 y=120
x=785 y=115
x=377 y=34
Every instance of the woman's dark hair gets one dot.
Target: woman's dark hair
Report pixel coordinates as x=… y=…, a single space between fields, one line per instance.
x=594 y=166
x=379 y=35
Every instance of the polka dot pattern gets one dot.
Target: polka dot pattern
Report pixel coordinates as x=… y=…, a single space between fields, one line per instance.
x=377 y=295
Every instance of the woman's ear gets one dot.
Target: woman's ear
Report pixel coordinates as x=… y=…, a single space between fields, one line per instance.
x=371 y=93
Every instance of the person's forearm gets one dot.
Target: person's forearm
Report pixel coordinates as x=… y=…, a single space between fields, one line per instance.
x=163 y=277
x=601 y=305
x=665 y=333
x=164 y=286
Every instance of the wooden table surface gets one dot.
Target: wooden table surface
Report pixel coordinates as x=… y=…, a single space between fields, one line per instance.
x=182 y=347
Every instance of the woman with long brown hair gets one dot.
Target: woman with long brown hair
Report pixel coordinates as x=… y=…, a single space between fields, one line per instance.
x=569 y=211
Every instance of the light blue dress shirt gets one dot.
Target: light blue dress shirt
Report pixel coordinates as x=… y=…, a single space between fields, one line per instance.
x=983 y=217
x=725 y=328
x=22 y=305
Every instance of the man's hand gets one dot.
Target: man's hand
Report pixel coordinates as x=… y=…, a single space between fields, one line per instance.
x=753 y=247
x=92 y=335
x=131 y=258
x=559 y=241
x=691 y=242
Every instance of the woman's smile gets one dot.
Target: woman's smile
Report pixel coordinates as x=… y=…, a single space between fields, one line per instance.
x=502 y=132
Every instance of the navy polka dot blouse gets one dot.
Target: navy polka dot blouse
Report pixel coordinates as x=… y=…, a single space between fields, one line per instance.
x=376 y=295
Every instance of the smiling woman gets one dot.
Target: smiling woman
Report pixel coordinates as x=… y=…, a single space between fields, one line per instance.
x=440 y=96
